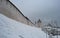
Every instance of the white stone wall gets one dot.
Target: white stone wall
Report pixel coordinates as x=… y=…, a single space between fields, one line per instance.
x=39 y=25
x=10 y=11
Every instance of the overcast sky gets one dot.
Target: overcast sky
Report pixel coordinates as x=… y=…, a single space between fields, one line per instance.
x=43 y=9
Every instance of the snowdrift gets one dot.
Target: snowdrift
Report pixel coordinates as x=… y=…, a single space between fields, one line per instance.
x=12 y=29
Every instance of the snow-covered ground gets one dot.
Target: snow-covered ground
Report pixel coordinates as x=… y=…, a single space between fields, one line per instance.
x=12 y=29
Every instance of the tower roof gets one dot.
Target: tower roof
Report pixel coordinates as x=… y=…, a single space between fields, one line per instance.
x=39 y=21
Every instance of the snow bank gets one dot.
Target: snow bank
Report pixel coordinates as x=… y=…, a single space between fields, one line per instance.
x=12 y=29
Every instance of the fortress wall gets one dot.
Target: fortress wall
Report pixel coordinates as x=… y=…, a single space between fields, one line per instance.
x=12 y=12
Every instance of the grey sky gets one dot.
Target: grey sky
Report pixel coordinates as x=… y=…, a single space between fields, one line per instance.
x=43 y=9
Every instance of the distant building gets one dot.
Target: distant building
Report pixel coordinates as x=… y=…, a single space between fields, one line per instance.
x=10 y=10
x=38 y=23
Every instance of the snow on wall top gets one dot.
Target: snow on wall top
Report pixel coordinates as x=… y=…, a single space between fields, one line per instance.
x=12 y=29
